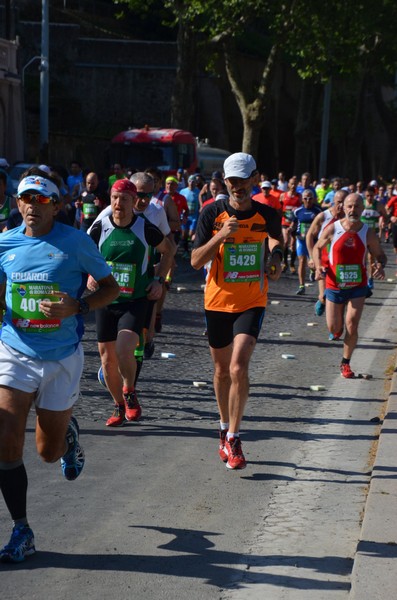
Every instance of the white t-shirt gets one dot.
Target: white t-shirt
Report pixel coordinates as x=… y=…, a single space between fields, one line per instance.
x=154 y=213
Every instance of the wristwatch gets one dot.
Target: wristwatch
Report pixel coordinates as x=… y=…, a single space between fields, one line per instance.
x=84 y=307
x=160 y=280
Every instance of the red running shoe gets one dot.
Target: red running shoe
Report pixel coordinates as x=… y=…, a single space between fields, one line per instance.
x=222 y=440
x=118 y=416
x=132 y=407
x=235 y=456
x=346 y=371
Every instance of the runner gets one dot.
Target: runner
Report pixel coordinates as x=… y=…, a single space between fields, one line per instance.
x=126 y=242
x=290 y=201
x=346 y=277
x=322 y=221
x=303 y=218
x=44 y=267
x=373 y=211
x=233 y=235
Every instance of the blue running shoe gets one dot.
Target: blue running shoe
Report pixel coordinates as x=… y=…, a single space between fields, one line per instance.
x=319 y=308
x=21 y=544
x=101 y=377
x=72 y=462
x=370 y=283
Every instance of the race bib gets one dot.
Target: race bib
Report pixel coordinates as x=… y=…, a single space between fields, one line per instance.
x=124 y=274
x=289 y=215
x=25 y=306
x=303 y=229
x=90 y=211
x=348 y=276
x=242 y=262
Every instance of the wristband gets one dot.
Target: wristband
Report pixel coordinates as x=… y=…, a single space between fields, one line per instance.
x=278 y=251
x=161 y=280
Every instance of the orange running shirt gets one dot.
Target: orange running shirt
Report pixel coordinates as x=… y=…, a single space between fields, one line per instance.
x=237 y=280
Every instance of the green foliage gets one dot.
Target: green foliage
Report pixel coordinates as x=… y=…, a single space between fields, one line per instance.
x=318 y=38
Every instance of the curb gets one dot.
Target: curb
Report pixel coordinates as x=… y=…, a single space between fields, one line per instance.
x=374 y=575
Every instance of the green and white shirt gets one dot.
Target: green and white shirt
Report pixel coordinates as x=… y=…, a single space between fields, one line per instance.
x=128 y=251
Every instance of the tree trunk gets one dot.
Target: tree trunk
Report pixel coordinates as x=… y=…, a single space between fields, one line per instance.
x=182 y=101
x=252 y=109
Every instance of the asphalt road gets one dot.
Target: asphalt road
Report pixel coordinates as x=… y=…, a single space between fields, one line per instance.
x=157 y=515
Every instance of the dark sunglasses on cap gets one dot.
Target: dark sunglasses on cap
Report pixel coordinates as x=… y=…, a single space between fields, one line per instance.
x=39 y=198
x=143 y=195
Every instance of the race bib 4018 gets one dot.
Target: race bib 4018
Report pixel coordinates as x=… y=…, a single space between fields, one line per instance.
x=25 y=305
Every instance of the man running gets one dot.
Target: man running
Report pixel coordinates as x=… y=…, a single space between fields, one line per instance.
x=234 y=236
x=346 y=278
x=127 y=241
x=303 y=218
x=44 y=267
x=322 y=221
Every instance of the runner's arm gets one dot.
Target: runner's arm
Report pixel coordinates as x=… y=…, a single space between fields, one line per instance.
x=377 y=253
x=206 y=252
x=325 y=239
x=312 y=234
x=108 y=290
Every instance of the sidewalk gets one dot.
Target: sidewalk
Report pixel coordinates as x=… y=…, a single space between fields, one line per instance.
x=374 y=575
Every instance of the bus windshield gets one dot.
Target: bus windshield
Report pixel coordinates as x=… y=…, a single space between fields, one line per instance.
x=167 y=157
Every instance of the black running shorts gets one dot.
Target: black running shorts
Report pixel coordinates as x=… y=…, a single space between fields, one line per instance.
x=115 y=317
x=222 y=327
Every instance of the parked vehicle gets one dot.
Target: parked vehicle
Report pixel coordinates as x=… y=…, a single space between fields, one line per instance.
x=15 y=173
x=210 y=159
x=166 y=149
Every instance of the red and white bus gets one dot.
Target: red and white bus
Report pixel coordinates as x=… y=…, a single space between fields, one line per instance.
x=166 y=149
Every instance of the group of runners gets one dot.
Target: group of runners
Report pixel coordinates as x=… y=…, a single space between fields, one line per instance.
x=123 y=260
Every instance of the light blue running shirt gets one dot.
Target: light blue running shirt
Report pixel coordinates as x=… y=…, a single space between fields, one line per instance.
x=32 y=267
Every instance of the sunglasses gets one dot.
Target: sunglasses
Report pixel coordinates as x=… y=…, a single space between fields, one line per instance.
x=39 y=198
x=143 y=195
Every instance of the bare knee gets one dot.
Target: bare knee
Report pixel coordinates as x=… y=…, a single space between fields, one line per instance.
x=51 y=454
x=221 y=372
x=239 y=371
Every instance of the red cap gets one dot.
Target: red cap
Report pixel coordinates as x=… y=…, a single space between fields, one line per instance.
x=124 y=186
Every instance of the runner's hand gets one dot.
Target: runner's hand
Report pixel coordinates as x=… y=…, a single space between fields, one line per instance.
x=229 y=226
x=154 y=290
x=274 y=268
x=320 y=274
x=92 y=284
x=378 y=271
x=61 y=307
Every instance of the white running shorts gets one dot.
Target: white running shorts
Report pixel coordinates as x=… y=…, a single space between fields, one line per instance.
x=57 y=382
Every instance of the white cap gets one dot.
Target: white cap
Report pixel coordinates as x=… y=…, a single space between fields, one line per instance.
x=45 y=168
x=221 y=197
x=240 y=165
x=266 y=184
x=373 y=183
x=4 y=163
x=39 y=184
